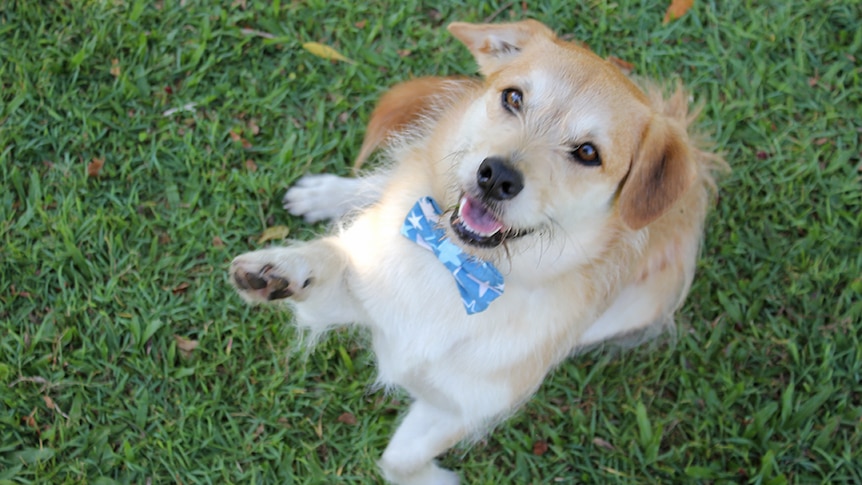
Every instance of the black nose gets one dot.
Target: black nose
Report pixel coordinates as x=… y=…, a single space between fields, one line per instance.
x=499 y=180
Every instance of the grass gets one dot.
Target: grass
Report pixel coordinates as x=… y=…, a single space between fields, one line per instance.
x=108 y=280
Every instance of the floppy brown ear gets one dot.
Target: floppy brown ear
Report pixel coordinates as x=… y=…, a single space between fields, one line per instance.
x=660 y=174
x=495 y=44
x=400 y=107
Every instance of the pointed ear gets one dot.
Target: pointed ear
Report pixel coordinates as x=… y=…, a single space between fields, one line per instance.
x=493 y=45
x=661 y=173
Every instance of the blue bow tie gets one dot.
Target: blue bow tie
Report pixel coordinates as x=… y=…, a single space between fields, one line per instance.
x=478 y=281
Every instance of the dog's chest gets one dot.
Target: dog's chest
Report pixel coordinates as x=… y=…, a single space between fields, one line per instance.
x=418 y=319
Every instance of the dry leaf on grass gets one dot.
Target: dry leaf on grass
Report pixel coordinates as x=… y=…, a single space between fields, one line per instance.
x=540 y=448
x=185 y=345
x=318 y=428
x=53 y=406
x=325 y=52
x=677 y=9
x=237 y=137
x=255 y=129
x=603 y=444
x=115 y=67
x=95 y=167
x=37 y=380
x=185 y=107
x=180 y=288
x=347 y=418
x=258 y=33
x=30 y=421
x=273 y=233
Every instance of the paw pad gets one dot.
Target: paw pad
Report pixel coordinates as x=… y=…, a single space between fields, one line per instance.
x=264 y=283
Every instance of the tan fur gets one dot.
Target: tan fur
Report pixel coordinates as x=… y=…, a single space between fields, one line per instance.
x=398 y=109
x=590 y=252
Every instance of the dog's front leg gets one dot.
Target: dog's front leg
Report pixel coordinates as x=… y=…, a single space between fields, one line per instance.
x=311 y=277
x=425 y=432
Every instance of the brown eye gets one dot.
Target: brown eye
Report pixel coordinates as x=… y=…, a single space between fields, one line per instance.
x=586 y=154
x=512 y=100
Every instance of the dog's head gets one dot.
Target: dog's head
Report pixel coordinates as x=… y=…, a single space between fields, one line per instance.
x=560 y=145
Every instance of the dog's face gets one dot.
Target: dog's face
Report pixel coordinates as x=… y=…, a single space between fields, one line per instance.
x=560 y=150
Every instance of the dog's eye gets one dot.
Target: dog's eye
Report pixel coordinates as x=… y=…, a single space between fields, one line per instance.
x=512 y=99
x=586 y=154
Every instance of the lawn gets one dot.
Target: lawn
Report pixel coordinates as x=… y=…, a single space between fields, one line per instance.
x=145 y=143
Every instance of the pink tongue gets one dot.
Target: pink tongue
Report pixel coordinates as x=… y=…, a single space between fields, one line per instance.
x=478 y=218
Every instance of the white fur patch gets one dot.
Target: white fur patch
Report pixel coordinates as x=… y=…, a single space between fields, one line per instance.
x=323 y=197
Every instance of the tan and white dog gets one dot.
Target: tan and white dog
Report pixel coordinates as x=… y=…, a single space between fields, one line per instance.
x=582 y=194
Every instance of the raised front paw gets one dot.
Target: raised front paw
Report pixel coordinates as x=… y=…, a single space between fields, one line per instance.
x=270 y=275
x=320 y=197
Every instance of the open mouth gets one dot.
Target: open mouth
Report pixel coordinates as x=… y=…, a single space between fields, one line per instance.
x=476 y=224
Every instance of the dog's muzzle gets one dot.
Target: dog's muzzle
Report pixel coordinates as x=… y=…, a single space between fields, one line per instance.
x=476 y=221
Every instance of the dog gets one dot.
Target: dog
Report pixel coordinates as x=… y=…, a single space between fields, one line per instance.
x=548 y=207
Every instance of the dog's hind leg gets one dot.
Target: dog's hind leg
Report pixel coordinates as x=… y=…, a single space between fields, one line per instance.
x=426 y=432
x=326 y=196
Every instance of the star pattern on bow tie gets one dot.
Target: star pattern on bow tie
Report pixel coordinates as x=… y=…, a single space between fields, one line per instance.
x=479 y=282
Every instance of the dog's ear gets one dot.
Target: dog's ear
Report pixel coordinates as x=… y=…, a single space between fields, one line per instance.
x=400 y=107
x=495 y=44
x=660 y=173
